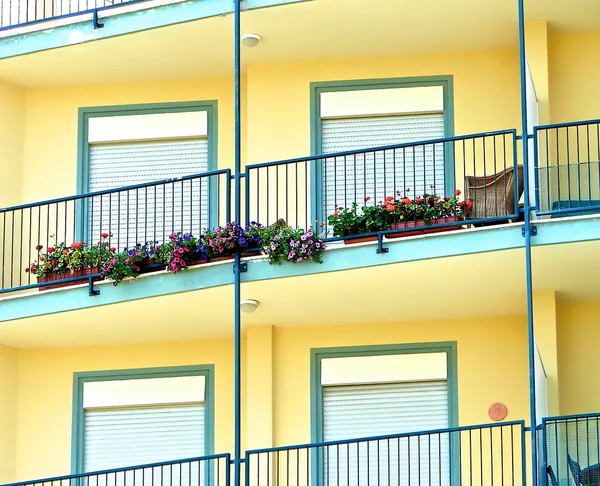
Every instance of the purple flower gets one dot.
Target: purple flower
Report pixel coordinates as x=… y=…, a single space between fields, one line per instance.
x=299 y=260
x=318 y=245
x=291 y=255
x=187 y=236
x=303 y=237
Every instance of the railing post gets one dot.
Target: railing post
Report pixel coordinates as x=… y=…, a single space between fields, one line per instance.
x=527 y=233
x=237 y=279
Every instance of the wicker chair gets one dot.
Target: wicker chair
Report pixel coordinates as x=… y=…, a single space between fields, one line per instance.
x=494 y=195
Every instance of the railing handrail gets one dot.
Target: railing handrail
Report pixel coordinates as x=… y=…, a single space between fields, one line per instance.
x=211 y=457
x=570 y=417
x=104 y=192
x=565 y=125
x=404 y=435
x=384 y=147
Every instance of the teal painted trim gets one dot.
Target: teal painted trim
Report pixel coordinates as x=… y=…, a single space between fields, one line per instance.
x=121 y=24
x=443 y=245
x=316 y=389
x=83 y=162
x=79 y=378
x=316 y=143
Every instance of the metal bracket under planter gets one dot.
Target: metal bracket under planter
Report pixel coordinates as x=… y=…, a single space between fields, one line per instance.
x=243 y=267
x=91 y=288
x=97 y=24
x=380 y=248
x=533 y=230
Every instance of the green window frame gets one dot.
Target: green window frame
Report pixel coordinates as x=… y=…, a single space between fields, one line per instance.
x=316 y=88
x=79 y=378
x=83 y=162
x=316 y=389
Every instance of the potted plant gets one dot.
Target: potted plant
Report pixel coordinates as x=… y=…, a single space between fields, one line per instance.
x=354 y=221
x=181 y=250
x=122 y=265
x=224 y=241
x=282 y=243
x=427 y=210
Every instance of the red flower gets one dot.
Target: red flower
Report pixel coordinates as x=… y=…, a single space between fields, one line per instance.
x=39 y=247
x=406 y=200
x=53 y=262
x=65 y=252
x=104 y=235
x=389 y=206
x=446 y=198
x=76 y=245
x=469 y=204
x=42 y=258
x=367 y=198
x=113 y=249
x=50 y=249
x=336 y=214
x=389 y=198
x=33 y=268
x=27 y=270
x=419 y=200
x=457 y=192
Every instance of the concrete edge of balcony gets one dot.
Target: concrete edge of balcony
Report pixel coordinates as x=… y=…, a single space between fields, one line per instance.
x=126 y=19
x=337 y=258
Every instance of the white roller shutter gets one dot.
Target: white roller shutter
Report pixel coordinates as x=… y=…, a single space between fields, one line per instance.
x=154 y=212
x=141 y=435
x=377 y=175
x=384 y=409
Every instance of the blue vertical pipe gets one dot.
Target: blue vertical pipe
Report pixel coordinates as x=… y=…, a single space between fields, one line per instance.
x=237 y=174
x=527 y=234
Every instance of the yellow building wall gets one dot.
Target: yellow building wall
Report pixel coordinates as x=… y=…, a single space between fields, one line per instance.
x=574 y=76
x=8 y=413
x=578 y=333
x=492 y=366
x=12 y=115
x=51 y=115
x=486 y=94
x=45 y=396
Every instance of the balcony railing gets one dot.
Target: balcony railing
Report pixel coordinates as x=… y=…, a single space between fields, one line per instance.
x=129 y=214
x=570 y=450
x=211 y=470
x=21 y=13
x=305 y=191
x=568 y=168
x=475 y=456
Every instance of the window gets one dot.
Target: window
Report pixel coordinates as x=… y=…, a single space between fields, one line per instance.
x=137 y=417
x=130 y=146
x=385 y=394
x=364 y=115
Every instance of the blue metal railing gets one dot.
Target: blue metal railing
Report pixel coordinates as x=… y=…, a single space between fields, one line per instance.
x=210 y=470
x=478 y=455
x=567 y=168
x=130 y=215
x=570 y=450
x=305 y=191
x=22 y=13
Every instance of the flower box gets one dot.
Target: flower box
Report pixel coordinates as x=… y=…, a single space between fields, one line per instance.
x=351 y=240
x=148 y=265
x=57 y=277
x=425 y=229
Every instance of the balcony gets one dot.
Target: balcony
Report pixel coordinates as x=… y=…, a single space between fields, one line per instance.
x=477 y=455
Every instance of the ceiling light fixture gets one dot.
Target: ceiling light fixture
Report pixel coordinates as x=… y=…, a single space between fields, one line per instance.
x=249 y=305
x=251 y=40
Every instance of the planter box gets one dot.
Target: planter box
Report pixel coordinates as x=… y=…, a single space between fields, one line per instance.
x=423 y=228
x=149 y=265
x=57 y=277
x=351 y=240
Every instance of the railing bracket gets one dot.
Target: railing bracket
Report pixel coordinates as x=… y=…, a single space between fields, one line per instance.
x=532 y=230
x=243 y=267
x=91 y=288
x=97 y=25
x=380 y=248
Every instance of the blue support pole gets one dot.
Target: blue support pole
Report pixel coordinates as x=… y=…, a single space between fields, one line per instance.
x=527 y=233
x=237 y=174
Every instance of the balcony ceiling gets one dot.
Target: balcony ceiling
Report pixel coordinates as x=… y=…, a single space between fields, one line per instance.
x=474 y=286
x=321 y=29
